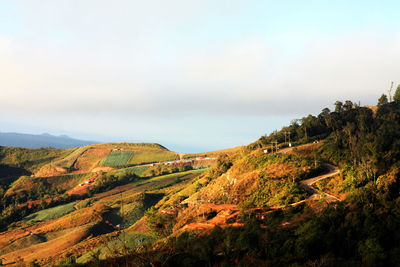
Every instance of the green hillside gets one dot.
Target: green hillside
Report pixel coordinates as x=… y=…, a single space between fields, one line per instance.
x=329 y=197
x=16 y=161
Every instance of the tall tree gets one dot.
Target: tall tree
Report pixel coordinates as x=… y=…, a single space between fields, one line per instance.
x=348 y=105
x=338 y=106
x=396 y=96
x=390 y=91
x=382 y=100
x=325 y=112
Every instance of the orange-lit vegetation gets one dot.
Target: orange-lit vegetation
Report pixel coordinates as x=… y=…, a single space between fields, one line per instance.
x=252 y=207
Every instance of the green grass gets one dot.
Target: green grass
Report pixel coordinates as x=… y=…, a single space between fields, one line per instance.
x=138 y=171
x=130 y=208
x=117 y=158
x=124 y=242
x=52 y=185
x=69 y=160
x=30 y=159
x=167 y=180
x=52 y=213
x=135 y=146
x=143 y=157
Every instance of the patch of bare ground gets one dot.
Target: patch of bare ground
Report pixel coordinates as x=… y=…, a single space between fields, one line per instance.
x=48 y=170
x=82 y=188
x=90 y=159
x=199 y=217
x=140 y=226
x=49 y=248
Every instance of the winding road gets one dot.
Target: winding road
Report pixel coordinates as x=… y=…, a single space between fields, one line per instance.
x=307 y=184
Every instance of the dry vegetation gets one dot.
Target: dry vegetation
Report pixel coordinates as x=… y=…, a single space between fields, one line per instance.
x=215 y=154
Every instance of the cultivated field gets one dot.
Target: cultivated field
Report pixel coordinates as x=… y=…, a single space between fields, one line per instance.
x=143 y=157
x=52 y=213
x=117 y=158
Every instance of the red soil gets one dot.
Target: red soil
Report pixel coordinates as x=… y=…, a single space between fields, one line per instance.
x=83 y=187
x=90 y=159
x=225 y=212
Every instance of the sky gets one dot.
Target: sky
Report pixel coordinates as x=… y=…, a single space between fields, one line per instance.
x=191 y=75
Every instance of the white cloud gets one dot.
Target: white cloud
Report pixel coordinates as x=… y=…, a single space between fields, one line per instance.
x=248 y=77
x=172 y=70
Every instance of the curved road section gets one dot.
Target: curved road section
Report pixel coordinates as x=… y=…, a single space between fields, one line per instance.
x=307 y=184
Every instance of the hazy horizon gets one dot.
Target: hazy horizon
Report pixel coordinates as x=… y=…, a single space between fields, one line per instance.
x=191 y=75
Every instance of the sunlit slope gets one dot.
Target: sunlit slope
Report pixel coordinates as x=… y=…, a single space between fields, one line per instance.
x=80 y=228
x=15 y=161
x=105 y=156
x=216 y=153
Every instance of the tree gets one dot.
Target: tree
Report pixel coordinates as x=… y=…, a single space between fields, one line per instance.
x=396 y=96
x=338 y=106
x=382 y=100
x=325 y=112
x=348 y=105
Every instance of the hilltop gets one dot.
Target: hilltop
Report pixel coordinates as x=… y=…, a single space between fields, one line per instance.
x=328 y=196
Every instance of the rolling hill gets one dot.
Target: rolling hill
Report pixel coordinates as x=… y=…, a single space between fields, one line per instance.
x=329 y=197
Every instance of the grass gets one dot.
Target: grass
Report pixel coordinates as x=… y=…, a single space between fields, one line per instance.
x=69 y=160
x=50 y=248
x=143 y=157
x=122 y=244
x=133 y=146
x=48 y=214
x=30 y=159
x=138 y=171
x=214 y=154
x=53 y=184
x=167 y=180
x=145 y=185
x=127 y=207
x=117 y=158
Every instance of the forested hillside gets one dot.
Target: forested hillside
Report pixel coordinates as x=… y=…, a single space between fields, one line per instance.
x=326 y=196
x=254 y=219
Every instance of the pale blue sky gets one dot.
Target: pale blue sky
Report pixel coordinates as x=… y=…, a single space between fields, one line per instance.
x=191 y=75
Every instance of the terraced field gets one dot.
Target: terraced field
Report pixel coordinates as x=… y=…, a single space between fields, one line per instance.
x=89 y=158
x=85 y=227
x=117 y=158
x=52 y=213
x=82 y=226
x=143 y=157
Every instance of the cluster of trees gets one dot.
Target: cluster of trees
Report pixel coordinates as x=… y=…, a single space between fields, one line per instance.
x=362 y=136
x=319 y=127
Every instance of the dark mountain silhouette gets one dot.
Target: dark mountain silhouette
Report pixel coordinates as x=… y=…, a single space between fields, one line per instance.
x=38 y=141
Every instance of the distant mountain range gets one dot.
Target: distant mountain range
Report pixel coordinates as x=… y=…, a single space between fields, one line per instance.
x=39 y=141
